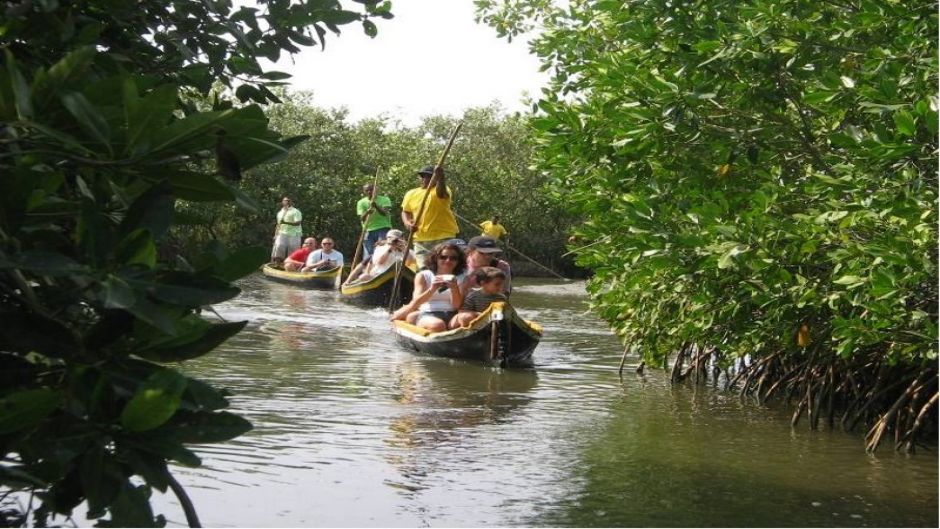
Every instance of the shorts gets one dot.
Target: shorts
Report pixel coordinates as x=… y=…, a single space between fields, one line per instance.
x=443 y=315
x=284 y=245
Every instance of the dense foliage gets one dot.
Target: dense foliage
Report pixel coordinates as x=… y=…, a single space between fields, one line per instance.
x=488 y=169
x=100 y=142
x=759 y=178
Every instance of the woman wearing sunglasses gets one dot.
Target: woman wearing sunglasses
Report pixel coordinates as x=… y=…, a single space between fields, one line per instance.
x=438 y=290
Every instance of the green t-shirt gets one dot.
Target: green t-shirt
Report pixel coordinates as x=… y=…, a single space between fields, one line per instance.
x=289 y=215
x=376 y=219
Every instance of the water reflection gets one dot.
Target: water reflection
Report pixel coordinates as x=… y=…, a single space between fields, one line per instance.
x=443 y=402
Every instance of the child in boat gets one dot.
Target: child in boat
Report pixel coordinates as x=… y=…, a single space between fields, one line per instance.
x=491 y=280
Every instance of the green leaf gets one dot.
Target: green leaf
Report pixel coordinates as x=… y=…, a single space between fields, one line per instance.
x=138 y=248
x=182 y=288
x=166 y=449
x=44 y=262
x=145 y=115
x=199 y=187
x=338 y=16
x=101 y=480
x=132 y=509
x=184 y=130
x=905 y=123
x=192 y=345
x=61 y=74
x=88 y=117
x=155 y=402
x=850 y=280
x=200 y=396
x=204 y=427
x=148 y=466
x=276 y=76
x=152 y=210
x=369 y=27
x=160 y=317
x=116 y=293
x=23 y=410
x=21 y=95
x=241 y=262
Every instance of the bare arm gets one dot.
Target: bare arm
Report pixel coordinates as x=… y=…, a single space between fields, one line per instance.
x=441 y=187
x=408 y=220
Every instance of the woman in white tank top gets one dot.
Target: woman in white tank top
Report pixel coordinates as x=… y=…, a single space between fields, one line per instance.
x=438 y=291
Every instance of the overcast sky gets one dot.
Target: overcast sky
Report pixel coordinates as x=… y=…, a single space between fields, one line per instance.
x=431 y=58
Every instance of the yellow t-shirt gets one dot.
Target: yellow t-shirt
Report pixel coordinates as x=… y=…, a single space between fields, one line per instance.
x=437 y=221
x=495 y=231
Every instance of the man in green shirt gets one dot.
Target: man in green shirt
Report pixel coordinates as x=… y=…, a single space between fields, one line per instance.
x=287 y=232
x=377 y=208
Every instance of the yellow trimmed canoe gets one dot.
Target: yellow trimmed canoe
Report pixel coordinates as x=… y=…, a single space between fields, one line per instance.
x=498 y=336
x=325 y=279
x=377 y=291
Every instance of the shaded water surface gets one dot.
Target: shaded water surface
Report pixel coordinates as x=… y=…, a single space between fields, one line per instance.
x=350 y=430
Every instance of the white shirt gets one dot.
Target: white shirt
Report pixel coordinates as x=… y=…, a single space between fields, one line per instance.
x=319 y=255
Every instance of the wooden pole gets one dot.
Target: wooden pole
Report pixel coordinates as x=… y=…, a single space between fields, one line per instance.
x=362 y=236
x=396 y=286
x=623 y=359
x=524 y=256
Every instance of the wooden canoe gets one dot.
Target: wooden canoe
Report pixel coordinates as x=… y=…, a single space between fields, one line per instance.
x=377 y=291
x=512 y=346
x=324 y=279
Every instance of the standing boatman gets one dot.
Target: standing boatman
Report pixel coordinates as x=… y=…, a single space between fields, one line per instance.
x=492 y=228
x=287 y=231
x=437 y=222
x=377 y=208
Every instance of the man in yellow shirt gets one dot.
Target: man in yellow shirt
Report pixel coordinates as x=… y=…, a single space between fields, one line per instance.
x=492 y=228
x=436 y=222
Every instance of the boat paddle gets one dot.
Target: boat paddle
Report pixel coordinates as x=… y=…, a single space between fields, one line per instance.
x=396 y=286
x=365 y=222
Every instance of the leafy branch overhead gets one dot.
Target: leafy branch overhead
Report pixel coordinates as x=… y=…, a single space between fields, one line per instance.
x=108 y=126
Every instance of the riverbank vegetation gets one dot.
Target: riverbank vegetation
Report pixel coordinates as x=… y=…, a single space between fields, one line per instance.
x=759 y=181
x=108 y=122
x=488 y=170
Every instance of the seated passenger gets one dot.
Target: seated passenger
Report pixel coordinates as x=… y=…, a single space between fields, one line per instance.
x=491 y=281
x=484 y=251
x=326 y=258
x=388 y=253
x=356 y=274
x=437 y=293
x=296 y=260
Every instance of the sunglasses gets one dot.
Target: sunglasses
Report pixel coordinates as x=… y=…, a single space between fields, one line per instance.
x=447 y=257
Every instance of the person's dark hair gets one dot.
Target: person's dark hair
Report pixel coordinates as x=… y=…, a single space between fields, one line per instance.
x=487 y=274
x=439 y=249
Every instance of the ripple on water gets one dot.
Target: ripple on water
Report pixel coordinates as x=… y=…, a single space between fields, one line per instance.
x=351 y=430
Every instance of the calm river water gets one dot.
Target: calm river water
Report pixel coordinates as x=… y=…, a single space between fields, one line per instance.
x=350 y=430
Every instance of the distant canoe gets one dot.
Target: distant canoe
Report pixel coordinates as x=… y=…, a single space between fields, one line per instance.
x=512 y=346
x=325 y=279
x=377 y=291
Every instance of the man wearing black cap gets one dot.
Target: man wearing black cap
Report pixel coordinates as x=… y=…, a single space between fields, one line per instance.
x=436 y=222
x=484 y=251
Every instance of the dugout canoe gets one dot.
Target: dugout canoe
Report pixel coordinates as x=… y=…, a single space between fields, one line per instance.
x=323 y=279
x=511 y=345
x=377 y=291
